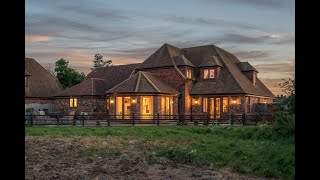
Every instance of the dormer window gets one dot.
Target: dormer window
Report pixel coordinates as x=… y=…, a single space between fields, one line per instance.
x=189 y=73
x=208 y=74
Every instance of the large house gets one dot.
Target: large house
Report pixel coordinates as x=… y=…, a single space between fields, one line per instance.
x=199 y=80
x=40 y=85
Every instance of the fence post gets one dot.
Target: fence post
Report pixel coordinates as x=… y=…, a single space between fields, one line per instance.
x=32 y=119
x=58 y=119
x=132 y=119
x=108 y=118
x=82 y=119
x=232 y=119
x=244 y=119
x=182 y=119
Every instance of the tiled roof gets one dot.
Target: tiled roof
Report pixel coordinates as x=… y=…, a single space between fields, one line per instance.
x=245 y=66
x=182 y=61
x=231 y=79
x=41 y=82
x=92 y=86
x=210 y=61
x=163 y=57
x=143 y=82
x=98 y=81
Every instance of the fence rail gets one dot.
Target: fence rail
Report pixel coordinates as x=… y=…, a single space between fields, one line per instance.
x=104 y=119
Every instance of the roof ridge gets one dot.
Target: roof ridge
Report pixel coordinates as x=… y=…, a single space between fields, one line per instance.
x=138 y=82
x=153 y=85
x=119 y=84
x=178 y=70
x=231 y=72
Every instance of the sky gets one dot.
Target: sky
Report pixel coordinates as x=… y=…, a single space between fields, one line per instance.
x=261 y=32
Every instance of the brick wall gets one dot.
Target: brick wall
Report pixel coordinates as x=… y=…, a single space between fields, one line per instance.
x=170 y=75
x=85 y=104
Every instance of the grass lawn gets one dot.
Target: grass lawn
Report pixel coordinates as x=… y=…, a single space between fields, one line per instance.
x=246 y=150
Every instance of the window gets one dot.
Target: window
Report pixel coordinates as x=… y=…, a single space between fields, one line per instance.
x=146 y=107
x=119 y=106
x=166 y=106
x=225 y=104
x=208 y=74
x=205 y=105
x=127 y=107
x=73 y=102
x=189 y=73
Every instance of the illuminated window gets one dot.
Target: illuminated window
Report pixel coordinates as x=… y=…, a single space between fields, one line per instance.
x=208 y=74
x=205 y=104
x=119 y=106
x=73 y=102
x=225 y=104
x=189 y=73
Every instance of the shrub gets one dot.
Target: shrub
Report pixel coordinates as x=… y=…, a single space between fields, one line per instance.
x=284 y=124
x=29 y=109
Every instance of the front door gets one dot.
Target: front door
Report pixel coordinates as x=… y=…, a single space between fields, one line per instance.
x=146 y=107
x=217 y=112
x=214 y=107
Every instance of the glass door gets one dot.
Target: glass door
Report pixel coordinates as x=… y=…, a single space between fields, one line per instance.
x=146 y=107
x=127 y=107
x=166 y=107
x=211 y=108
x=217 y=112
x=119 y=108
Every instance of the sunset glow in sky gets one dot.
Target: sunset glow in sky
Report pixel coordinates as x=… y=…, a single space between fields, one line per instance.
x=261 y=32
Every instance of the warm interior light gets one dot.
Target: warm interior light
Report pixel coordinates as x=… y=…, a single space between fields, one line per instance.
x=111 y=101
x=196 y=101
x=172 y=102
x=133 y=100
x=265 y=102
x=234 y=101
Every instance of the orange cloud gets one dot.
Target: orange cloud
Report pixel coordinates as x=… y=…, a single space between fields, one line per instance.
x=37 y=38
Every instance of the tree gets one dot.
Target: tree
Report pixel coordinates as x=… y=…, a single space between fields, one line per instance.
x=288 y=87
x=99 y=62
x=67 y=76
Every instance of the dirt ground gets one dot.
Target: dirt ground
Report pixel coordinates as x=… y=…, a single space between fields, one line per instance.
x=106 y=158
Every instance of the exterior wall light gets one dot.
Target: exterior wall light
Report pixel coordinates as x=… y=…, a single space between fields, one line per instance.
x=133 y=100
x=234 y=101
x=111 y=101
x=196 y=101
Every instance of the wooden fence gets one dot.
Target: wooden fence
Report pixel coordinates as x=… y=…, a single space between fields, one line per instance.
x=104 y=119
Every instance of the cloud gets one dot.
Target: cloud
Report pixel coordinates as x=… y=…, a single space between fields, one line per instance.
x=267 y=39
x=37 y=38
x=273 y=85
x=251 y=54
x=209 y=22
x=258 y=3
x=288 y=67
